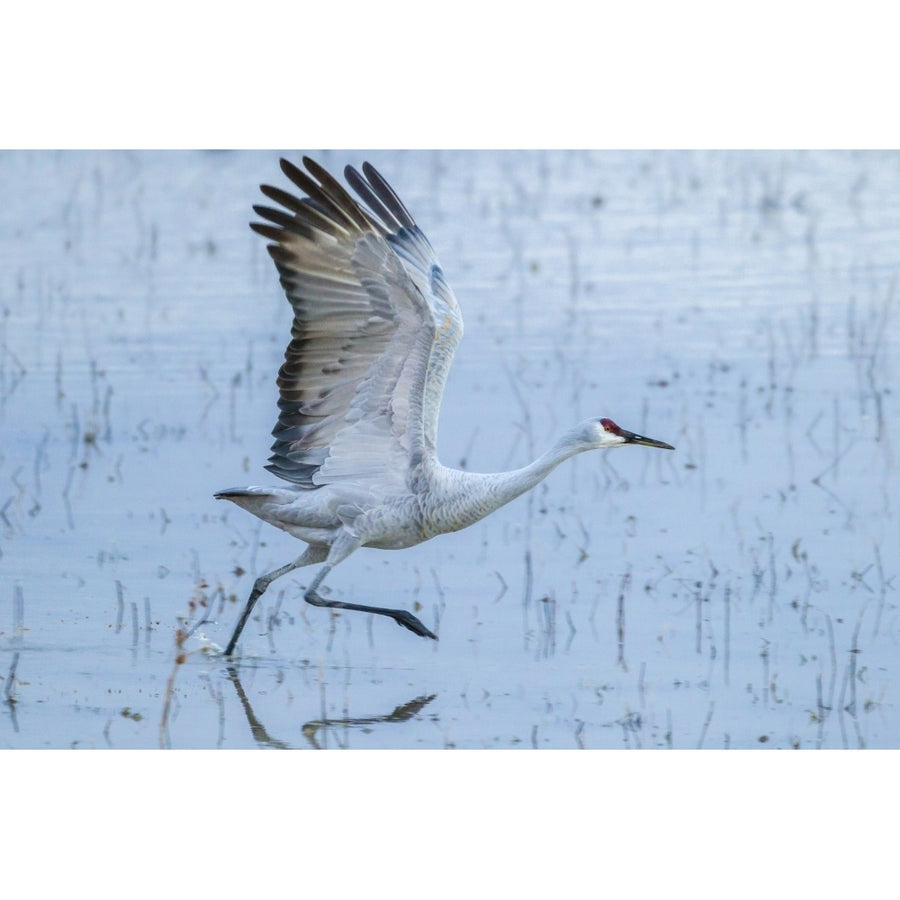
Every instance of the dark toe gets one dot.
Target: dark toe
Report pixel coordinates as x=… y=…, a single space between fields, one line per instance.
x=408 y=620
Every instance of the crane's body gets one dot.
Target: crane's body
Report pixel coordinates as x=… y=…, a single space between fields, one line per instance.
x=375 y=329
x=440 y=500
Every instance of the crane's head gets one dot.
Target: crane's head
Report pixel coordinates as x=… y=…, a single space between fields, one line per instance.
x=604 y=433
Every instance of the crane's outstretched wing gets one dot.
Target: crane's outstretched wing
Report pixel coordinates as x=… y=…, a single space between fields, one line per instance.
x=374 y=333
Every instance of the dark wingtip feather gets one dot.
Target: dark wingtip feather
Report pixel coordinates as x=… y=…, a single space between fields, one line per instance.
x=337 y=193
x=301 y=179
x=329 y=197
x=273 y=215
x=281 y=256
x=288 y=201
x=269 y=232
x=291 y=170
x=388 y=222
x=387 y=196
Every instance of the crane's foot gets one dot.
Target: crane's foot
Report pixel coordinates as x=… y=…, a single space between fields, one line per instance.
x=408 y=620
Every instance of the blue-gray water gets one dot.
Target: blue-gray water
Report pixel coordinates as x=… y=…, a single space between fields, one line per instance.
x=740 y=592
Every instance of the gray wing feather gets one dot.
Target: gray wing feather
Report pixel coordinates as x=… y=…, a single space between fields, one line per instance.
x=374 y=332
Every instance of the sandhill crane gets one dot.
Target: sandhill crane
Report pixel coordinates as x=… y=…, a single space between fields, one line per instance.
x=374 y=332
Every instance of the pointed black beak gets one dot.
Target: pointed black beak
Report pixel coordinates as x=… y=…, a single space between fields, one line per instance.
x=632 y=438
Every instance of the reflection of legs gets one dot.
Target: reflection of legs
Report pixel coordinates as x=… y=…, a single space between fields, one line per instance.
x=313 y=554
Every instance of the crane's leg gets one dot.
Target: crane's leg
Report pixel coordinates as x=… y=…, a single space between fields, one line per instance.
x=400 y=616
x=312 y=554
x=340 y=550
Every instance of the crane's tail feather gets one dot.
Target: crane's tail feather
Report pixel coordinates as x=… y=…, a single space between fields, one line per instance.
x=256 y=500
x=235 y=493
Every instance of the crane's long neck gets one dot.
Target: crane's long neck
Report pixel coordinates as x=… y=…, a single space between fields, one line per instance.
x=462 y=498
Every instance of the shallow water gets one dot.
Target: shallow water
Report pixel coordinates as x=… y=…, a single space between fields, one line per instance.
x=740 y=592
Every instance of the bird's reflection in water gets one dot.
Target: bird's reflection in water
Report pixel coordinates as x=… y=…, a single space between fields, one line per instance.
x=257 y=729
x=319 y=728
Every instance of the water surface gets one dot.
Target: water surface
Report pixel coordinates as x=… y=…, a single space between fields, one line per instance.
x=740 y=592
